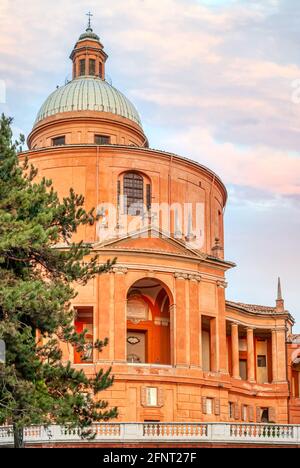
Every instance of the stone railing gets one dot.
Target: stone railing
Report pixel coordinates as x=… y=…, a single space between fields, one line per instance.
x=106 y=433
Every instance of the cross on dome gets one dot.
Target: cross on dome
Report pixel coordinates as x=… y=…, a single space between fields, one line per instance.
x=90 y=15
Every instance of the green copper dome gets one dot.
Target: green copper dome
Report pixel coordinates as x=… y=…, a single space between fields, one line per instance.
x=89 y=34
x=88 y=93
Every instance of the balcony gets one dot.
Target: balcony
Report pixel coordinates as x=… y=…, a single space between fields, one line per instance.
x=159 y=433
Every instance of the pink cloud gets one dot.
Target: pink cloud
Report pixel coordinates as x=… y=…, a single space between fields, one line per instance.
x=260 y=167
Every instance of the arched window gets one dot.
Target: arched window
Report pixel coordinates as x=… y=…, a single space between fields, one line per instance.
x=82 y=67
x=133 y=191
x=92 y=67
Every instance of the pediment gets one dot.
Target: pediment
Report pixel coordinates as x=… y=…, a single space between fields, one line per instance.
x=150 y=240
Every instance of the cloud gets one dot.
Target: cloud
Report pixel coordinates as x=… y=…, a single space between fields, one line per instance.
x=270 y=170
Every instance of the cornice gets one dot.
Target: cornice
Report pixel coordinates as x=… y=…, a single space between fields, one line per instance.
x=188 y=274
x=85 y=116
x=285 y=315
x=147 y=151
x=222 y=266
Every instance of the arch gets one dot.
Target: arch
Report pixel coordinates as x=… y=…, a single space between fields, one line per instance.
x=149 y=324
x=158 y=280
x=295 y=355
x=295 y=373
x=136 y=171
x=135 y=189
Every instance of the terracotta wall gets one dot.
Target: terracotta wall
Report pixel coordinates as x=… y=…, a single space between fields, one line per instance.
x=94 y=172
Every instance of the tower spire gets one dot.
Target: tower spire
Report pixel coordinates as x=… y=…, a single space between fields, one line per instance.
x=279 y=300
x=279 y=291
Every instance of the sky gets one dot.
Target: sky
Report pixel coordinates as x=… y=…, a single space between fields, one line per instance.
x=216 y=81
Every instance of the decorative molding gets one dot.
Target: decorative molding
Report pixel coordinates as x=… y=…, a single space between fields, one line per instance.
x=187 y=276
x=181 y=276
x=133 y=340
x=197 y=278
x=257 y=326
x=118 y=270
x=160 y=397
x=137 y=310
x=222 y=284
x=162 y=269
x=161 y=321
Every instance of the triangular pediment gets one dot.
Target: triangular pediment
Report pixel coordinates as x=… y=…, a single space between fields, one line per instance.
x=150 y=240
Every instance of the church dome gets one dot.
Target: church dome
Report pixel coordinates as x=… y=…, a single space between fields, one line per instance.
x=88 y=93
x=89 y=34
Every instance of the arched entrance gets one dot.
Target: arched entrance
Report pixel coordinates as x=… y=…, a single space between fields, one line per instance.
x=296 y=375
x=148 y=323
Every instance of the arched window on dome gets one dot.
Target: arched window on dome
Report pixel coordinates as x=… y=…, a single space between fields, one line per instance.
x=82 y=67
x=100 y=70
x=92 y=67
x=136 y=193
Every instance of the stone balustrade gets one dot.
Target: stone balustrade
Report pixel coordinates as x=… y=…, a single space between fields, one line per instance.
x=161 y=432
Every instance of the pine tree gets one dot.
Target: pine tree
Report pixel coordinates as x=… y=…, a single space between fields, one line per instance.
x=36 y=289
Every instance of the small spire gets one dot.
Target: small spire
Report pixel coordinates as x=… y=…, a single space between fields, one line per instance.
x=279 y=300
x=279 y=291
x=90 y=15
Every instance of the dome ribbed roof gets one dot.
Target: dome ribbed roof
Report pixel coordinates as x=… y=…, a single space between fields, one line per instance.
x=88 y=93
x=89 y=34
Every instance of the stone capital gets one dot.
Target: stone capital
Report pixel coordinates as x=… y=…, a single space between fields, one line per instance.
x=181 y=276
x=120 y=270
x=195 y=278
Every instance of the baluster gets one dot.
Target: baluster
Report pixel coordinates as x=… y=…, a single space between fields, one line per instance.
x=259 y=431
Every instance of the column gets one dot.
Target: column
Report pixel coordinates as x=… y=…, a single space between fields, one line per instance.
x=104 y=299
x=274 y=356
x=120 y=314
x=250 y=356
x=111 y=315
x=222 y=360
x=180 y=332
x=281 y=355
x=194 y=320
x=235 y=351
x=279 y=373
x=213 y=345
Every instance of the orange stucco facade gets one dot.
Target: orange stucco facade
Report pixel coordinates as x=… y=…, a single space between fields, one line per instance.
x=178 y=350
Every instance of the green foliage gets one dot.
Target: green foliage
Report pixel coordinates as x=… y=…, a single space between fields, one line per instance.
x=36 y=289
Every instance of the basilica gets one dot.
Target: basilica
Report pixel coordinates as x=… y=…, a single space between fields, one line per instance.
x=179 y=351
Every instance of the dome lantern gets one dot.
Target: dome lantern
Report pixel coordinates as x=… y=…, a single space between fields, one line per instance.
x=88 y=55
x=87 y=107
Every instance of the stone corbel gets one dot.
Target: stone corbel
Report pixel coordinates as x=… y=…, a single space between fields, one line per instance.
x=222 y=284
